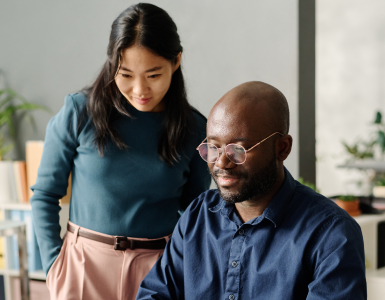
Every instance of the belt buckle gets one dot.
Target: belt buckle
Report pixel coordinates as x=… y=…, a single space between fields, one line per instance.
x=117 y=241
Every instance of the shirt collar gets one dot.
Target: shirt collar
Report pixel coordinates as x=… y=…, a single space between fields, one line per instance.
x=274 y=211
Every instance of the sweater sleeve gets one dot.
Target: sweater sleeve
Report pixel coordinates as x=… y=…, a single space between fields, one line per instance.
x=199 y=179
x=52 y=180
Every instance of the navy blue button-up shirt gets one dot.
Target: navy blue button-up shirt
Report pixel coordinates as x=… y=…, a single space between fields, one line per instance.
x=303 y=246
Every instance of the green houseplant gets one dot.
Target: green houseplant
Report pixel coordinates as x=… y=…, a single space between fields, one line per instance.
x=365 y=149
x=11 y=105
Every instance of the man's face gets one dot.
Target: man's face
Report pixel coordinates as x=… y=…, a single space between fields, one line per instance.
x=254 y=178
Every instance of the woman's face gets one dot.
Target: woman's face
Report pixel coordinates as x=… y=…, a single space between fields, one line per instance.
x=144 y=78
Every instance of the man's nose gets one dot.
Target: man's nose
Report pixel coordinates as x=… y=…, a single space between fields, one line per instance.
x=223 y=162
x=140 y=87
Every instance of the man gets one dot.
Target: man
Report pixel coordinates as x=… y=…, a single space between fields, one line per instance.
x=261 y=235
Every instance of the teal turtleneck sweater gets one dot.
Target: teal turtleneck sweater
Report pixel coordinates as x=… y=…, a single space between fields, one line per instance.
x=126 y=192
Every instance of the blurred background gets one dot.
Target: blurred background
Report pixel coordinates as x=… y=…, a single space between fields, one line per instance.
x=327 y=57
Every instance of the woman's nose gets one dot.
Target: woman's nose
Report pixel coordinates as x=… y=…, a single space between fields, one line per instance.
x=140 y=87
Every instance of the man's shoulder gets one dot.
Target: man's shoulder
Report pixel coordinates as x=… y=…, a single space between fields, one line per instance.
x=316 y=208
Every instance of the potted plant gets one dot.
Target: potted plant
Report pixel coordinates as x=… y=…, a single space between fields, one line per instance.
x=12 y=105
x=379 y=186
x=349 y=203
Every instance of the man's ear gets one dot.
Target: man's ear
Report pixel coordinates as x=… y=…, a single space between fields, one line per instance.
x=284 y=145
x=177 y=64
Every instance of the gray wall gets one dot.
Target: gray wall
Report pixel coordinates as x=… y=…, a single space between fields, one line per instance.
x=52 y=48
x=350 y=86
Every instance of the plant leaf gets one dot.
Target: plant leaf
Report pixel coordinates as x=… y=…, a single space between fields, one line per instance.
x=381 y=140
x=5 y=101
x=378 y=119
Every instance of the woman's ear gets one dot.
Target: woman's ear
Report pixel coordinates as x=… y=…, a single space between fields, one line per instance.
x=177 y=63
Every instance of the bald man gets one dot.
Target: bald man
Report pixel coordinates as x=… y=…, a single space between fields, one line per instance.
x=261 y=234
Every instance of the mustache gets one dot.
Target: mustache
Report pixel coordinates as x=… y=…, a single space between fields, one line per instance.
x=220 y=172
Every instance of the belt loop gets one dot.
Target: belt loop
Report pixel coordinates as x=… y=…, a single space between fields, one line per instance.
x=76 y=233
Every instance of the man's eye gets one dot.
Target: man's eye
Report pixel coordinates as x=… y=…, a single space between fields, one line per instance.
x=154 y=76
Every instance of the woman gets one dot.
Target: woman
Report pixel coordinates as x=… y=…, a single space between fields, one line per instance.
x=129 y=141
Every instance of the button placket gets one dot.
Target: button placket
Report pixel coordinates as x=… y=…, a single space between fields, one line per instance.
x=234 y=265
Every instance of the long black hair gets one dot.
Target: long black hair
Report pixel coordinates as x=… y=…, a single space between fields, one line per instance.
x=151 y=27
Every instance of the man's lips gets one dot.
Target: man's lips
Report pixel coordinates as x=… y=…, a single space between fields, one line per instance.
x=225 y=180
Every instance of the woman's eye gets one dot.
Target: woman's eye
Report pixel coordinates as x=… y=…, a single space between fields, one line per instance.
x=154 y=76
x=125 y=75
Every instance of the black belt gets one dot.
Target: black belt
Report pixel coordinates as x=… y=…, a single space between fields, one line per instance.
x=120 y=242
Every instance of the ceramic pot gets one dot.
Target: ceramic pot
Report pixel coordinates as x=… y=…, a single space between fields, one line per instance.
x=352 y=207
x=379 y=191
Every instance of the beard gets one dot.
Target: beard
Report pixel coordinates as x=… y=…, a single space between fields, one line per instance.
x=256 y=184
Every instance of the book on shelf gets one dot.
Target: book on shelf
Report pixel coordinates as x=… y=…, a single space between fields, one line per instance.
x=7 y=182
x=34 y=152
x=16 y=189
x=20 y=178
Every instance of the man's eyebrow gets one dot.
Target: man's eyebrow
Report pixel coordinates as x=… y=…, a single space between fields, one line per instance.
x=149 y=70
x=235 y=139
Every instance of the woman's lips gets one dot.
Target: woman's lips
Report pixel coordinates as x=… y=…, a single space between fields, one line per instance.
x=142 y=101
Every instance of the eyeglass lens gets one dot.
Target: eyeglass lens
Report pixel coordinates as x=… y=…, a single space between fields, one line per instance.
x=210 y=153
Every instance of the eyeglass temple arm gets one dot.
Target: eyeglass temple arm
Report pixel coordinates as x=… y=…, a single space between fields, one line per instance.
x=262 y=141
x=201 y=143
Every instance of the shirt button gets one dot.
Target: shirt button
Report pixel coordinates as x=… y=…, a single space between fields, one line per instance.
x=231 y=297
x=241 y=232
x=234 y=264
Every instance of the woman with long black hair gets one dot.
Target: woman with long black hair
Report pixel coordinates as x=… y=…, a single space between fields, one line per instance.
x=129 y=141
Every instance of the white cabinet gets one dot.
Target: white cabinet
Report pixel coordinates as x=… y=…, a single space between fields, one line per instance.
x=375 y=278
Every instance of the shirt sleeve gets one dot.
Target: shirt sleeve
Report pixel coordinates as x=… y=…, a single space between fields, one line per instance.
x=338 y=262
x=165 y=280
x=52 y=180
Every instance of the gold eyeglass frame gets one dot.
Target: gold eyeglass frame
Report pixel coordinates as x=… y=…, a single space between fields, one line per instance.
x=219 y=154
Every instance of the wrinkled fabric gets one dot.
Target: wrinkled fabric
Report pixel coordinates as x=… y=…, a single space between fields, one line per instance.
x=89 y=270
x=303 y=246
x=127 y=192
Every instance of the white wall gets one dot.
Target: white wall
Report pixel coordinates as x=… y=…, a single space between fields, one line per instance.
x=52 y=48
x=350 y=84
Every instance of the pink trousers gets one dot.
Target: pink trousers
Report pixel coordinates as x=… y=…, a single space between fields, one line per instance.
x=90 y=270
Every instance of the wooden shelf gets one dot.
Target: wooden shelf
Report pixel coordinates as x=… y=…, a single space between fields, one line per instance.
x=15 y=206
x=37 y=275
x=366 y=219
x=378 y=275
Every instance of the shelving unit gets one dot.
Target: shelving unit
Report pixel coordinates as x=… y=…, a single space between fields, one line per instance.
x=8 y=273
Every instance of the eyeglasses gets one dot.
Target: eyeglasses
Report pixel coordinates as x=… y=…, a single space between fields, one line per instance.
x=236 y=153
